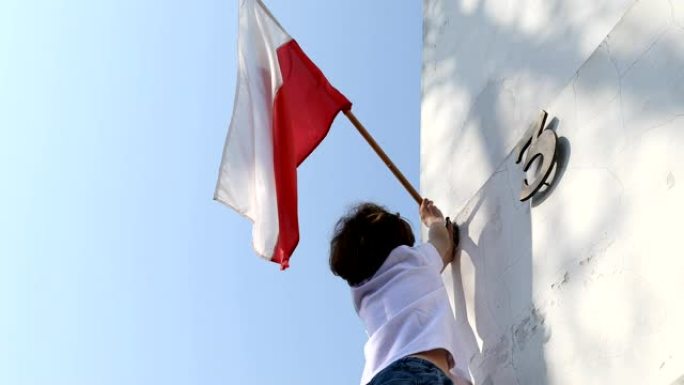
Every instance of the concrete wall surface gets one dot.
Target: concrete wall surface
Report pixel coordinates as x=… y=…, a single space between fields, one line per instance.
x=584 y=283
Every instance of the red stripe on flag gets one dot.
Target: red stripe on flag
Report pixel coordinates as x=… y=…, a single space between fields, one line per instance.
x=303 y=111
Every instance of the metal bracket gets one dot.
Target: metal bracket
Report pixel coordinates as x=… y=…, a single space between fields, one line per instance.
x=538 y=144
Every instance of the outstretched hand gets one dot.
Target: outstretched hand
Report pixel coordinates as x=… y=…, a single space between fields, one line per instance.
x=443 y=234
x=429 y=213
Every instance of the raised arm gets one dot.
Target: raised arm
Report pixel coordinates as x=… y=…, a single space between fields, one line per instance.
x=440 y=231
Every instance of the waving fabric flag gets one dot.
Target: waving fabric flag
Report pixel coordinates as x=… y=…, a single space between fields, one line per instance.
x=284 y=107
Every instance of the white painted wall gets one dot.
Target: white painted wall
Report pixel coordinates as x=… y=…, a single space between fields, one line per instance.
x=586 y=284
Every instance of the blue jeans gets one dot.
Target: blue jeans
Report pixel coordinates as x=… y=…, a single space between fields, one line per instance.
x=411 y=371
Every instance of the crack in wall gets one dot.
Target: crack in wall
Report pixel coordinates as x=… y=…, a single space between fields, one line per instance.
x=644 y=52
x=619 y=77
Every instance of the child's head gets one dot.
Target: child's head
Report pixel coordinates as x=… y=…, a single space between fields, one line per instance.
x=363 y=240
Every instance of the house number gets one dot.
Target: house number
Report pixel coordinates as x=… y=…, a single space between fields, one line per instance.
x=540 y=145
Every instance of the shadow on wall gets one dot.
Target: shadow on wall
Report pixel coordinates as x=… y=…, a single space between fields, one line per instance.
x=490 y=77
x=494 y=70
x=496 y=266
x=496 y=252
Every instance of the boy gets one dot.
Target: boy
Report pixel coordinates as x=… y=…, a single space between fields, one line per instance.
x=398 y=293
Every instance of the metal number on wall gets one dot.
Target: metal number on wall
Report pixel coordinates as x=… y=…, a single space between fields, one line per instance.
x=539 y=143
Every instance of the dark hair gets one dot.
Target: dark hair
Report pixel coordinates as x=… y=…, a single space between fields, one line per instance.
x=363 y=239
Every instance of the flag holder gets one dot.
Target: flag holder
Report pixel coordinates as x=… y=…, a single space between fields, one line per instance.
x=378 y=150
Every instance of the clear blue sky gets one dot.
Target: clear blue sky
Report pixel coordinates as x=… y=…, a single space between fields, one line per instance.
x=116 y=266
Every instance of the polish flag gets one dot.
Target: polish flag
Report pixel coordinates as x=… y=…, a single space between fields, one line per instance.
x=284 y=107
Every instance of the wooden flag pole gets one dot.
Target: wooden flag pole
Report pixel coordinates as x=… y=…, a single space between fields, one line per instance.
x=402 y=179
